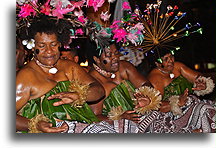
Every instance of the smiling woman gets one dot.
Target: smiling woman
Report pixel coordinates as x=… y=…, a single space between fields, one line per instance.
x=50 y=89
x=178 y=85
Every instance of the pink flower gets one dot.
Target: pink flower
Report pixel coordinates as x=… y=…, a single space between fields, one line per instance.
x=78 y=4
x=26 y=10
x=46 y=9
x=126 y=6
x=59 y=11
x=132 y=38
x=115 y=24
x=95 y=4
x=82 y=19
x=139 y=26
x=79 y=31
x=119 y=34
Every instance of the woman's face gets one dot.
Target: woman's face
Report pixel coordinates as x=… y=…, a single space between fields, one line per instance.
x=168 y=61
x=110 y=59
x=48 y=47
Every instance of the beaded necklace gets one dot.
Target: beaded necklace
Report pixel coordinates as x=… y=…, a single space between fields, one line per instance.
x=52 y=69
x=171 y=75
x=103 y=72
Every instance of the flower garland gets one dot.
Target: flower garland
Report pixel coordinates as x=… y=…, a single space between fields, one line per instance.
x=115 y=113
x=153 y=95
x=209 y=86
x=81 y=90
x=32 y=125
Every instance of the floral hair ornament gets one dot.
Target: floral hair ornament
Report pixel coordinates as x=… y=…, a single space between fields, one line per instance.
x=159 y=29
x=29 y=43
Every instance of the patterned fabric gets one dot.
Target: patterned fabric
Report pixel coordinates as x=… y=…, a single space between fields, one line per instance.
x=118 y=126
x=197 y=114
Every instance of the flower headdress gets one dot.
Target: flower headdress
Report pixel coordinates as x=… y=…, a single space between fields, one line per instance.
x=69 y=10
x=158 y=28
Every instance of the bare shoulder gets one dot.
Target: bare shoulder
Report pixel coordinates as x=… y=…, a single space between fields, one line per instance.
x=25 y=72
x=26 y=76
x=154 y=75
x=67 y=63
x=179 y=64
x=126 y=65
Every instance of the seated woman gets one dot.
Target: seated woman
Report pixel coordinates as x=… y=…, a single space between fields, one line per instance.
x=129 y=96
x=178 y=84
x=48 y=77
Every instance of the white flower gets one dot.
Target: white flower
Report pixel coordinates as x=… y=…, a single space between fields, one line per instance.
x=139 y=26
x=21 y=2
x=29 y=44
x=105 y=16
x=111 y=1
x=64 y=3
x=78 y=13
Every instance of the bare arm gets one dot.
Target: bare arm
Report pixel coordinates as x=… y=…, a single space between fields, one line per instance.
x=186 y=72
x=156 y=81
x=134 y=76
x=24 y=86
x=22 y=96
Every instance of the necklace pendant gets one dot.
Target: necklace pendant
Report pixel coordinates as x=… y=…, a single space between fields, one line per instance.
x=171 y=75
x=113 y=75
x=53 y=70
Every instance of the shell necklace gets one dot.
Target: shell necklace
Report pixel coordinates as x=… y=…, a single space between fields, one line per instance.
x=52 y=69
x=103 y=72
x=171 y=75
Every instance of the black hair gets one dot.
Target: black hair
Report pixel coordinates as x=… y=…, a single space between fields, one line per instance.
x=162 y=52
x=48 y=25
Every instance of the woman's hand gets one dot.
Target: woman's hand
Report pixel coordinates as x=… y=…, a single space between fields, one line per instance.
x=165 y=106
x=131 y=115
x=66 y=98
x=142 y=100
x=46 y=127
x=200 y=84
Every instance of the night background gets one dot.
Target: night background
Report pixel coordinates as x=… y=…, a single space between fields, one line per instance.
x=196 y=48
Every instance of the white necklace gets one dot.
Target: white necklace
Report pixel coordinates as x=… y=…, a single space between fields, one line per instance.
x=52 y=69
x=103 y=72
x=171 y=75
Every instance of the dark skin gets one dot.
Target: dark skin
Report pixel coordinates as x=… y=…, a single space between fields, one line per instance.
x=21 y=54
x=160 y=80
x=34 y=81
x=123 y=71
x=69 y=55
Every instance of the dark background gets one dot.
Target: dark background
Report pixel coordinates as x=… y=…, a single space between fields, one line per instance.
x=196 y=48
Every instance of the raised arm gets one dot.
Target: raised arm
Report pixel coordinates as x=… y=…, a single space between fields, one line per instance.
x=186 y=72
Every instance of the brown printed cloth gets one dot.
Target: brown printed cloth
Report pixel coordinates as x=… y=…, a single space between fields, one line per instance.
x=154 y=122
x=197 y=114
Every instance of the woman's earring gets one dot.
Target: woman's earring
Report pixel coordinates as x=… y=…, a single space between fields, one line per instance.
x=105 y=62
x=37 y=51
